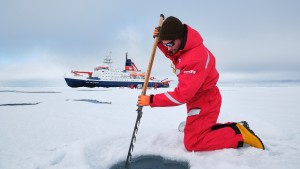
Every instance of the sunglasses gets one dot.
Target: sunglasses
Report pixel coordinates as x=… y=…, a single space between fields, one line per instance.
x=169 y=44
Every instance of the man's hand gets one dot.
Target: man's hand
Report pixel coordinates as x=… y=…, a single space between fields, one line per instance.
x=143 y=100
x=156 y=32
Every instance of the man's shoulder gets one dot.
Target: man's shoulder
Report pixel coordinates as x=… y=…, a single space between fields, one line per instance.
x=193 y=58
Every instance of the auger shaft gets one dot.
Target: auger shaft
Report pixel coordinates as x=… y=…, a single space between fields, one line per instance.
x=140 y=108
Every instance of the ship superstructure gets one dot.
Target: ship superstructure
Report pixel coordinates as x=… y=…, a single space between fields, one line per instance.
x=106 y=76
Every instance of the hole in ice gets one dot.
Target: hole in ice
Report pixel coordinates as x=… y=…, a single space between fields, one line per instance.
x=152 y=162
x=19 y=104
x=92 y=101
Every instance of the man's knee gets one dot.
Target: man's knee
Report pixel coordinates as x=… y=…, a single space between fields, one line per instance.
x=188 y=147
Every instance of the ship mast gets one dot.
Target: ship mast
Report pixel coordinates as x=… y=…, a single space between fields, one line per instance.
x=108 y=59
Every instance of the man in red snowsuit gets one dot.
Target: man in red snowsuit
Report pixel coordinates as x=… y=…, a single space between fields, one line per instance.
x=195 y=67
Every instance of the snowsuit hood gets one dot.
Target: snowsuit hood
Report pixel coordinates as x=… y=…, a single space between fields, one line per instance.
x=191 y=39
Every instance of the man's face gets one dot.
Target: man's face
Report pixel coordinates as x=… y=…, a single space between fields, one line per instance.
x=172 y=45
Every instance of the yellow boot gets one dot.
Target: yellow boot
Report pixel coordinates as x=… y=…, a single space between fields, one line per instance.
x=249 y=136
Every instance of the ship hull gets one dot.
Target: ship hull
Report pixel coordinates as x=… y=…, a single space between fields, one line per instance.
x=71 y=82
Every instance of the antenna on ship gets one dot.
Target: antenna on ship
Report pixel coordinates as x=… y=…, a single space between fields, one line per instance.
x=108 y=59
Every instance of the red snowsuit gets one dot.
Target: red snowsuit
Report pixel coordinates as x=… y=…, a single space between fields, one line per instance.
x=197 y=79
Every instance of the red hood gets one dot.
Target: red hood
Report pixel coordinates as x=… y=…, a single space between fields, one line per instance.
x=193 y=40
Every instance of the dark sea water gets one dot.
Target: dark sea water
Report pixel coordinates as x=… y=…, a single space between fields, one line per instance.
x=152 y=162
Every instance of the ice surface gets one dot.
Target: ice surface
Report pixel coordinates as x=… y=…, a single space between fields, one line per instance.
x=60 y=134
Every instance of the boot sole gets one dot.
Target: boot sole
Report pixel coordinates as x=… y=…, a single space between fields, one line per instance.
x=246 y=125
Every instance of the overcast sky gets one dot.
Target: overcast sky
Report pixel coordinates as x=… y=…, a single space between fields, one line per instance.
x=43 y=39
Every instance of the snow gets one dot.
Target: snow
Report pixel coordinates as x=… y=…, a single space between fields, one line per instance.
x=62 y=133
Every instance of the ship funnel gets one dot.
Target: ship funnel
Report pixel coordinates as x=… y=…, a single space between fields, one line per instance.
x=129 y=65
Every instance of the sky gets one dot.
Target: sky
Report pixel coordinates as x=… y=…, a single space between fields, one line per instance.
x=254 y=40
